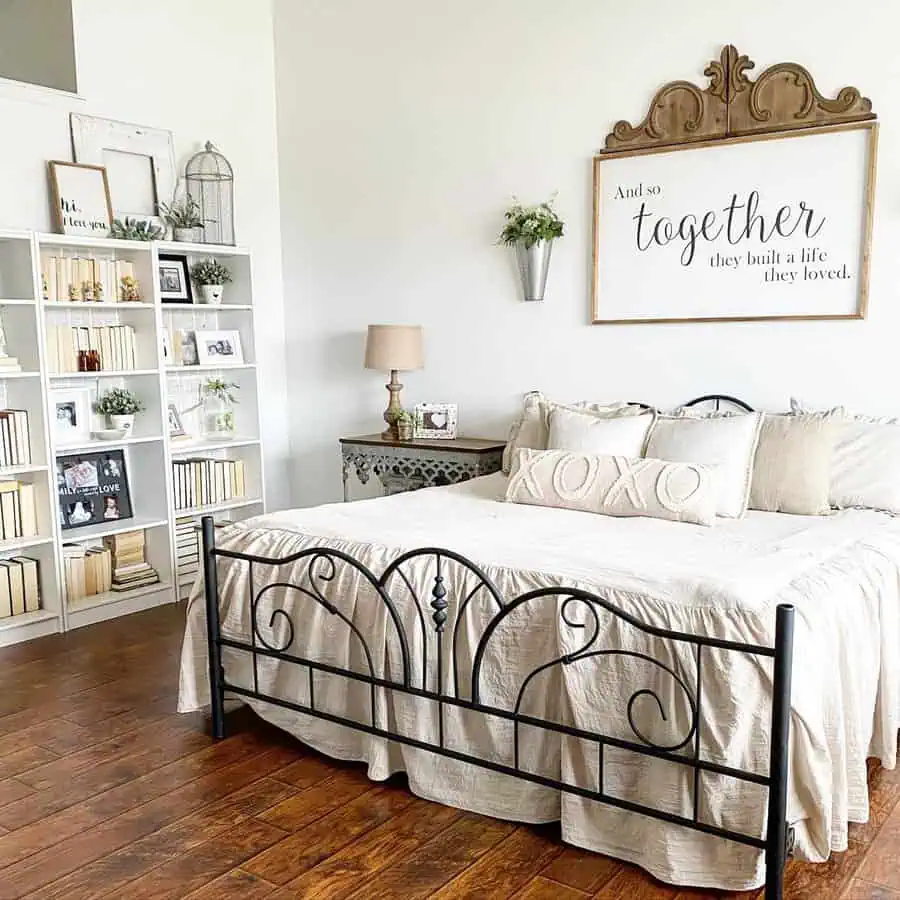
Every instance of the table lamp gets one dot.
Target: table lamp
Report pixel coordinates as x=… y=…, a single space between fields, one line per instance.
x=393 y=348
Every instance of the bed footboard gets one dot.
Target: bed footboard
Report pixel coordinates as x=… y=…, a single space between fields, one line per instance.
x=775 y=838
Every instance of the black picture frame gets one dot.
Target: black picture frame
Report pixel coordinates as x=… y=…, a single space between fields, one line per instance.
x=174 y=277
x=92 y=488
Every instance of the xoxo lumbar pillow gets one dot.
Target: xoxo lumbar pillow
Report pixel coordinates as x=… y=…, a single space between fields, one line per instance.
x=614 y=485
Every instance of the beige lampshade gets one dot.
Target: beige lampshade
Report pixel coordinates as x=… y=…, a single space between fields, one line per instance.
x=394 y=347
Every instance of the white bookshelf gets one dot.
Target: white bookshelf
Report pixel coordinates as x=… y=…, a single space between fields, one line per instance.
x=150 y=452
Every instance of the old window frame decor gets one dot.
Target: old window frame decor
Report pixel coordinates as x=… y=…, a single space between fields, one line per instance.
x=746 y=136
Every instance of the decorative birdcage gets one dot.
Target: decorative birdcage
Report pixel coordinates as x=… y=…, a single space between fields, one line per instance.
x=209 y=179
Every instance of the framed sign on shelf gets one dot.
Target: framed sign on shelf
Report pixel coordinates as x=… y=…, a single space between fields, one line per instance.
x=745 y=201
x=92 y=488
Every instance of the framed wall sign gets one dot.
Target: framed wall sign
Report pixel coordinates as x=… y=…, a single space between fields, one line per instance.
x=92 y=488
x=746 y=201
x=80 y=197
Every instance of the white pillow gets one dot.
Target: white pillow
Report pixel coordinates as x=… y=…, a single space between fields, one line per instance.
x=614 y=485
x=532 y=428
x=728 y=442
x=865 y=467
x=582 y=432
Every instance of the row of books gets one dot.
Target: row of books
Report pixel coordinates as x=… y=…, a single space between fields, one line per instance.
x=116 y=566
x=115 y=345
x=88 y=571
x=82 y=279
x=15 y=438
x=201 y=482
x=20 y=588
x=18 y=511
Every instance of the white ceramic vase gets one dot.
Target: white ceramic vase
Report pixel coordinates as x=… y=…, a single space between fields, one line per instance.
x=124 y=424
x=212 y=293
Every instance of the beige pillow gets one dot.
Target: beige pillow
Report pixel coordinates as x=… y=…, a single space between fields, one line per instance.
x=727 y=442
x=614 y=485
x=584 y=432
x=792 y=469
x=865 y=469
x=532 y=428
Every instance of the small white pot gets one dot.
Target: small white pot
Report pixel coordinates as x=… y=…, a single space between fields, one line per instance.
x=184 y=235
x=212 y=293
x=124 y=424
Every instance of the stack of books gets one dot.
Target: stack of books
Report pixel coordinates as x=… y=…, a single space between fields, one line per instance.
x=81 y=279
x=115 y=345
x=15 y=438
x=187 y=553
x=18 y=511
x=9 y=364
x=88 y=571
x=130 y=568
x=20 y=590
x=204 y=482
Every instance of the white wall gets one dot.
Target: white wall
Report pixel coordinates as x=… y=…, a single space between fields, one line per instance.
x=205 y=70
x=404 y=126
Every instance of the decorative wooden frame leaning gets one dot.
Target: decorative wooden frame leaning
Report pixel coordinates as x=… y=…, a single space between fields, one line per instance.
x=769 y=218
x=80 y=197
x=103 y=142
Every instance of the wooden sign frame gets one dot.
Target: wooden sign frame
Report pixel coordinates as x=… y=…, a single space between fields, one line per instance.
x=732 y=109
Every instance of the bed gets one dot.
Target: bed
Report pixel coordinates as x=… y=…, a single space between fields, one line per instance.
x=630 y=678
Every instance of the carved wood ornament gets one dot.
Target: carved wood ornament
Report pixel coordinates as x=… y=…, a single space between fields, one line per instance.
x=784 y=97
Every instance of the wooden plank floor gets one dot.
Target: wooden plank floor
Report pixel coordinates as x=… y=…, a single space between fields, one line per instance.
x=106 y=792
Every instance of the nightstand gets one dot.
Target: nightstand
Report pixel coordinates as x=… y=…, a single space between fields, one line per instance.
x=410 y=465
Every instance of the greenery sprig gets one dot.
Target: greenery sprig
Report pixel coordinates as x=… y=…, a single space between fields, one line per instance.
x=221 y=389
x=129 y=229
x=529 y=224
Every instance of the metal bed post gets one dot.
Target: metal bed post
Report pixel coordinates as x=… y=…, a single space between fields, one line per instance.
x=778 y=834
x=211 y=594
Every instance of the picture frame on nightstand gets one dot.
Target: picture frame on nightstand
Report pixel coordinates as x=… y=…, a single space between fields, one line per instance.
x=435 y=421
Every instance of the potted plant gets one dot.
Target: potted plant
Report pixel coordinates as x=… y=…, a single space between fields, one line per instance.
x=211 y=277
x=183 y=216
x=532 y=231
x=119 y=406
x=218 y=409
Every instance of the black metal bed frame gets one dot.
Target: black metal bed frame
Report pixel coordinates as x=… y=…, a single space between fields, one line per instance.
x=321 y=568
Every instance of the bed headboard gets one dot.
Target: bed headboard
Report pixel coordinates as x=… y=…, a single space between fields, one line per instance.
x=716 y=399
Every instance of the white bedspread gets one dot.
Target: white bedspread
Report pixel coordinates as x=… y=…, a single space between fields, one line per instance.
x=841 y=572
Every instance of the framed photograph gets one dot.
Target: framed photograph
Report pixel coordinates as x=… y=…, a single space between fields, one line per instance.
x=176 y=426
x=71 y=415
x=139 y=162
x=80 y=195
x=174 y=280
x=92 y=488
x=435 y=420
x=219 y=348
x=735 y=229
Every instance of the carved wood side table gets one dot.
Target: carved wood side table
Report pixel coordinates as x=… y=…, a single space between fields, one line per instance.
x=410 y=465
